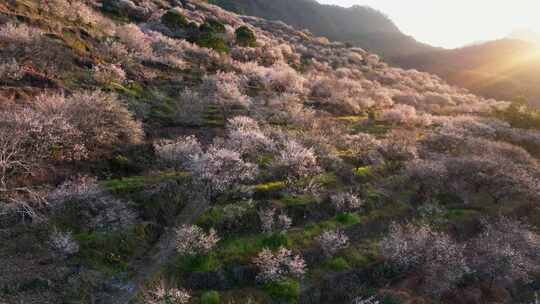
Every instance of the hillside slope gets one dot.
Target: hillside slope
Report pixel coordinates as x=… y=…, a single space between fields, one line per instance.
x=503 y=69
x=159 y=154
x=484 y=69
x=360 y=25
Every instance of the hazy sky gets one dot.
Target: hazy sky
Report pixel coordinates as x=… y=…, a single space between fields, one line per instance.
x=454 y=23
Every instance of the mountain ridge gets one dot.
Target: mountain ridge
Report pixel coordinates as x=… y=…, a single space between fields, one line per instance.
x=504 y=69
x=362 y=26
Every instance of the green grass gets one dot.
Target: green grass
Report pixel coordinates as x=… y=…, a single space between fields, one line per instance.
x=460 y=214
x=362 y=254
x=210 y=297
x=286 y=291
x=265 y=161
x=198 y=263
x=337 y=264
x=211 y=218
x=242 y=211
x=241 y=249
x=269 y=187
x=376 y=129
x=352 y=118
x=244 y=295
x=303 y=237
x=276 y=240
x=328 y=179
x=110 y=252
x=298 y=200
x=364 y=172
x=137 y=183
x=348 y=219
x=132 y=90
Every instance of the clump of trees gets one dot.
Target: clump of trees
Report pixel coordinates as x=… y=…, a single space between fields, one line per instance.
x=58 y=127
x=506 y=251
x=225 y=90
x=419 y=248
x=210 y=35
x=29 y=44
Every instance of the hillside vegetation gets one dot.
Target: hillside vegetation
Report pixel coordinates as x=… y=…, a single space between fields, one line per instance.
x=159 y=151
x=359 y=25
x=503 y=69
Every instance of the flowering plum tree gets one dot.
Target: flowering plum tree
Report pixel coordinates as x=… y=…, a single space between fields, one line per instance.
x=275 y=266
x=419 y=248
x=192 y=240
x=223 y=89
x=332 y=241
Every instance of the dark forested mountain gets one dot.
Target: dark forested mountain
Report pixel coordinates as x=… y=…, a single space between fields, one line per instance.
x=359 y=25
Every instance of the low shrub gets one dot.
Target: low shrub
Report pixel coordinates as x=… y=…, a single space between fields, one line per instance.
x=287 y=291
x=212 y=42
x=210 y=297
x=276 y=240
x=245 y=37
x=338 y=264
x=174 y=19
x=212 y=26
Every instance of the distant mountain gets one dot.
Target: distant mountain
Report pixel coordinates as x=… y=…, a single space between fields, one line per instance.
x=359 y=25
x=502 y=69
x=525 y=35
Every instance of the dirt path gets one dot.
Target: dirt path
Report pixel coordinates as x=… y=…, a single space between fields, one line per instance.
x=163 y=251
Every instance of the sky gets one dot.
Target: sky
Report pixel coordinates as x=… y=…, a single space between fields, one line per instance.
x=455 y=23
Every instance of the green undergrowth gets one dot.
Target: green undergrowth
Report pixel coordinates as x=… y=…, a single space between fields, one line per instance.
x=138 y=183
x=241 y=249
x=244 y=295
x=269 y=188
x=376 y=129
x=352 y=118
x=211 y=297
x=298 y=200
x=286 y=291
x=110 y=252
x=223 y=217
x=355 y=256
x=303 y=237
x=461 y=214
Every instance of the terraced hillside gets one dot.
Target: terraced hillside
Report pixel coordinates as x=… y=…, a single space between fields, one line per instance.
x=174 y=152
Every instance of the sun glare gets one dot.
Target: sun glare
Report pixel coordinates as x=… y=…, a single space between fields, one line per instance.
x=452 y=24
